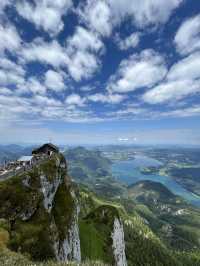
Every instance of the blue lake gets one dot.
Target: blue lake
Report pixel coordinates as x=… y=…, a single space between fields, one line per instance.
x=129 y=172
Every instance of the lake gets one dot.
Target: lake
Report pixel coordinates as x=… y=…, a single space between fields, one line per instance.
x=129 y=172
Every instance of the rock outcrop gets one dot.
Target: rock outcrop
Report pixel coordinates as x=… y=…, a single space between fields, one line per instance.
x=41 y=209
x=47 y=220
x=118 y=243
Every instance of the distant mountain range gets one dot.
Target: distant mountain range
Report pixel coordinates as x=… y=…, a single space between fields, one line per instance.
x=13 y=152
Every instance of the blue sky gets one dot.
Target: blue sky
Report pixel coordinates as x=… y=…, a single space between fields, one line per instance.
x=99 y=72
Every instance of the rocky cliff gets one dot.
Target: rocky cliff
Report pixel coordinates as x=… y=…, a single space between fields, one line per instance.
x=41 y=212
x=43 y=217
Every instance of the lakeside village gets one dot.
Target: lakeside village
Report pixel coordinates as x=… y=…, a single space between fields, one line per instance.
x=25 y=163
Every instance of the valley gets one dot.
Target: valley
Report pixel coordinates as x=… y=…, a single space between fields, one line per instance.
x=159 y=219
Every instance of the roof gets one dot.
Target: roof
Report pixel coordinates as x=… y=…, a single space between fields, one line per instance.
x=25 y=158
x=51 y=145
x=46 y=144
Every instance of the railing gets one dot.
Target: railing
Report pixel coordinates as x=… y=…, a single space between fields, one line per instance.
x=23 y=169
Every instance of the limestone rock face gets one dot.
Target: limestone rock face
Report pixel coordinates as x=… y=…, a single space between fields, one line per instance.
x=42 y=211
x=69 y=248
x=118 y=243
x=49 y=190
x=47 y=220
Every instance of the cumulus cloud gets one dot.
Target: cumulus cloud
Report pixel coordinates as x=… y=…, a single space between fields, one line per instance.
x=97 y=15
x=45 y=100
x=174 y=90
x=143 y=13
x=143 y=70
x=187 y=38
x=10 y=72
x=79 y=57
x=23 y=96
x=82 y=51
x=51 y=53
x=10 y=78
x=4 y=4
x=102 y=16
x=130 y=42
x=32 y=85
x=9 y=38
x=45 y=14
x=183 y=79
x=187 y=68
x=9 y=65
x=74 y=99
x=84 y=40
x=106 y=98
x=5 y=91
x=184 y=112
x=54 y=81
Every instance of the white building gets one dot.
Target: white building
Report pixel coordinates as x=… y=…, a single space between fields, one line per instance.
x=26 y=160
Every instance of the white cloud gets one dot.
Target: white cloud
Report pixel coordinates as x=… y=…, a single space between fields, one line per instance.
x=82 y=65
x=87 y=88
x=80 y=56
x=9 y=65
x=51 y=53
x=75 y=99
x=10 y=78
x=185 y=112
x=106 y=98
x=54 y=80
x=97 y=15
x=143 y=13
x=9 y=38
x=11 y=73
x=130 y=111
x=82 y=51
x=143 y=70
x=45 y=14
x=130 y=42
x=102 y=16
x=183 y=79
x=171 y=91
x=187 y=68
x=44 y=100
x=84 y=40
x=187 y=38
x=33 y=85
x=5 y=91
x=4 y=4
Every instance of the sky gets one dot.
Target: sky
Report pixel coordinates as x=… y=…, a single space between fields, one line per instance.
x=100 y=72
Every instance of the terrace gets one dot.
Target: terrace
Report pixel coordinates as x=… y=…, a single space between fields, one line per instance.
x=26 y=163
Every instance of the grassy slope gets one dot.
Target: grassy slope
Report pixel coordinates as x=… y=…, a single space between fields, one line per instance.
x=143 y=247
x=162 y=215
x=34 y=236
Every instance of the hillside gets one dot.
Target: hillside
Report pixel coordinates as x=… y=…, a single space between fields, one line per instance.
x=149 y=190
x=188 y=177
x=86 y=164
x=12 y=152
x=46 y=219
x=39 y=212
x=91 y=168
x=176 y=222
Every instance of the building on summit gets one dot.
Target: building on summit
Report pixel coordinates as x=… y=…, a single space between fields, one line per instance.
x=26 y=161
x=47 y=149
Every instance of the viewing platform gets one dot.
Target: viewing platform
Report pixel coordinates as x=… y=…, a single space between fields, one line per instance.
x=26 y=163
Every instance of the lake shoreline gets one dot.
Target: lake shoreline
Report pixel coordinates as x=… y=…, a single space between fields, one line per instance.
x=128 y=172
